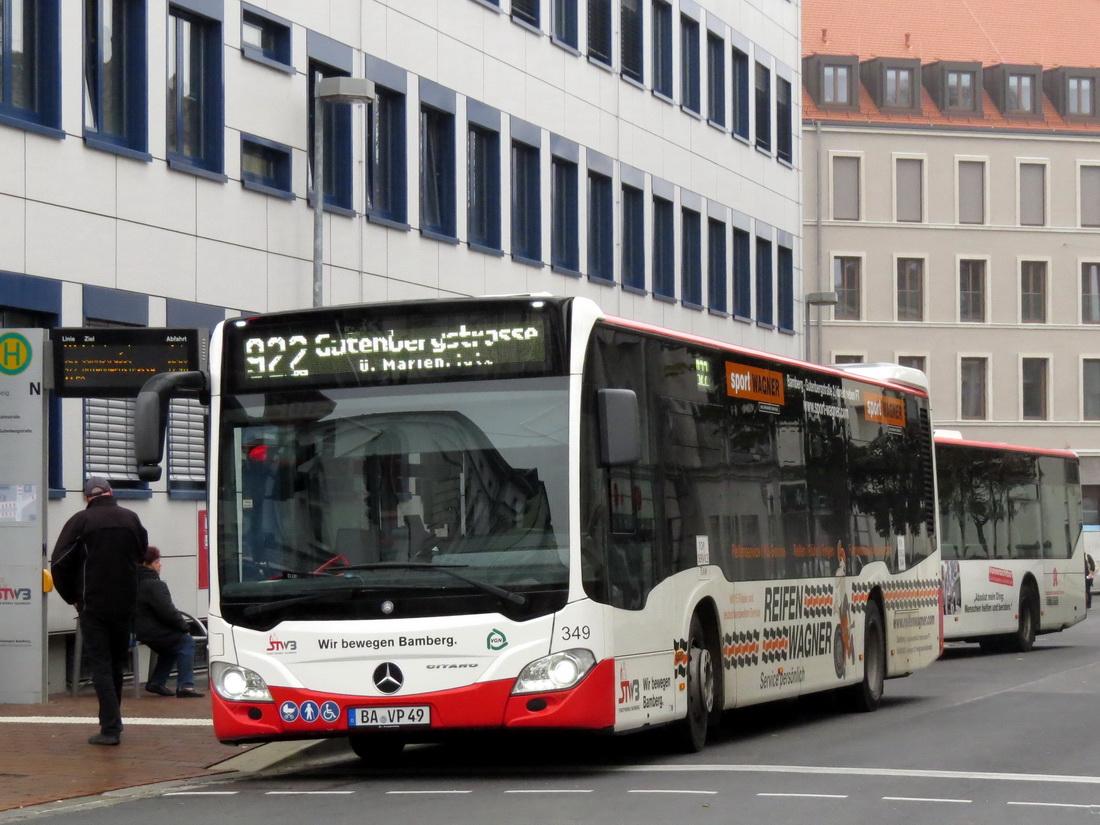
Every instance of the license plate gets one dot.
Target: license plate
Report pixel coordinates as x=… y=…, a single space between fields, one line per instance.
x=390 y=717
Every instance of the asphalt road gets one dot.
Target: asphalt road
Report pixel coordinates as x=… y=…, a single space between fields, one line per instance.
x=976 y=738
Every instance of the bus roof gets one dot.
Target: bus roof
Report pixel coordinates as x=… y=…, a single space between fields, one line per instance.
x=956 y=438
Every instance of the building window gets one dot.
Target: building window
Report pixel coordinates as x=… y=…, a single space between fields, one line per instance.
x=1090 y=195
x=846 y=186
x=30 y=62
x=563 y=217
x=437 y=172
x=972 y=191
x=265 y=166
x=601 y=227
x=662 y=48
x=716 y=265
x=785 y=279
x=599 y=31
x=915 y=362
x=1090 y=293
x=195 y=103
x=836 y=87
x=960 y=91
x=386 y=156
x=691 y=258
x=1020 y=98
x=336 y=134
x=909 y=189
x=716 y=79
x=526 y=11
x=742 y=274
x=844 y=358
x=1033 y=292
x=109 y=422
x=899 y=88
x=483 y=182
x=664 y=250
x=526 y=211
x=763 y=107
x=1033 y=388
x=741 y=93
x=115 y=93
x=972 y=291
x=764 y=292
x=784 y=124
x=1033 y=194
x=910 y=289
x=631 y=39
x=1090 y=389
x=847 y=282
x=633 y=248
x=563 y=24
x=972 y=388
x=689 y=64
x=1079 y=96
x=265 y=38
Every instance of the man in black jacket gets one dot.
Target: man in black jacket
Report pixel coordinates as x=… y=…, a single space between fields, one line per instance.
x=94 y=567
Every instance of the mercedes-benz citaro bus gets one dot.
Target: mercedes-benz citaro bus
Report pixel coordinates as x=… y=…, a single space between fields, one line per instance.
x=1010 y=536
x=478 y=514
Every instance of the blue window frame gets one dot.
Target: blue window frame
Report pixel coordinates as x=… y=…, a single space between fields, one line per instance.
x=265 y=38
x=742 y=274
x=387 y=164
x=785 y=288
x=437 y=173
x=30 y=65
x=689 y=64
x=195 y=98
x=526 y=204
x=601 y=227
x=631 y=37
x=716 y=265
x=599 y=31
x=564 y=235
x=740 y=76
x=662 y=48
x=564 y=22
x=266 y=166
x=664 y=249
x=763 y=107
x=716 y=79
x=691 y=258
x=633 y=248
x=483 y=181
x=526 y=11
x=784 y=125
x=115 y=76
x=764 y=299
x=336 y=141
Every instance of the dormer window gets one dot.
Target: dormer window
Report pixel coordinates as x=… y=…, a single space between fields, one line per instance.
x=1075 y=92
x=836 y=85
x=893 y=83
x=899 y=88
x=1015 y=89
x=1079 y=97
x=832 y=80
x=955 y=87
x=960 y=91
x=1020 y=94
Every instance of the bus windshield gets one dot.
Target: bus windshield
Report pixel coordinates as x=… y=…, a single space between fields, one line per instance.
x=442 y=496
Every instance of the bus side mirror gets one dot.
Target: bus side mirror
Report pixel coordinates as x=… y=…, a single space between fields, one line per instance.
x=151 y=417
x=620 y=427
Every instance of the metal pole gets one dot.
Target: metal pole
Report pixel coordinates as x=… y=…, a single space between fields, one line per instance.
x=318 y=200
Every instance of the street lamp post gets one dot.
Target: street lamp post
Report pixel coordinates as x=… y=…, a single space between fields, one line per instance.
x=817 y=299
x=333 y=90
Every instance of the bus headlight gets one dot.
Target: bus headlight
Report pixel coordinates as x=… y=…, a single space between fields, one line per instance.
x=558 y=671
x=238 y=684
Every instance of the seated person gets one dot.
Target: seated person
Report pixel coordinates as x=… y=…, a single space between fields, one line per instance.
x=158 y=624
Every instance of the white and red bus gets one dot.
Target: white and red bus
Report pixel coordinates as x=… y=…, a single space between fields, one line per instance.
x=1010 y=538
x=519 y=513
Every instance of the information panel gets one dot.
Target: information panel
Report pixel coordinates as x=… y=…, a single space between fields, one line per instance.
x=115 y=363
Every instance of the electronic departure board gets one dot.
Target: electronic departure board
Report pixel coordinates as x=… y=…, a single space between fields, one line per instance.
x=371 y=346
x=115 y=363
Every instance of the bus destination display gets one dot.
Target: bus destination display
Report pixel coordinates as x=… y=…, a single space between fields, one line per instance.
x=115 y=363
x=324 y=352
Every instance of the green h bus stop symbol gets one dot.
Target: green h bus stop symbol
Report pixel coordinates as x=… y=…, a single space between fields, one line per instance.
x=15 y=353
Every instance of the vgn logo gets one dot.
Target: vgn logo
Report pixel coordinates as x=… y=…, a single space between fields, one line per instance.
x=496 y=640
x=15 y=353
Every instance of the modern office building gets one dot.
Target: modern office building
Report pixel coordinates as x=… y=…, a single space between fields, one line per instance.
x=156 y=159
x=952 y=192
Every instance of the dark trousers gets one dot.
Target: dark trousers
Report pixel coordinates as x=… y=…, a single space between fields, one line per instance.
x=180 y=652
x=106 y=642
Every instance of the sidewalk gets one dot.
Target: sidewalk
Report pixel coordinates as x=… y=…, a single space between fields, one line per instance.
x=46 y=757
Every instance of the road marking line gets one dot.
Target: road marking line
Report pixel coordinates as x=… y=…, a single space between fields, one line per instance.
x=837 y=771
x=1053 y=804
x=306 y=793
x=91 y=720
x=200 y=793
x=548 y=790
x=923 y=799
x=422 y=793
x=658 y=790
x=809 y=795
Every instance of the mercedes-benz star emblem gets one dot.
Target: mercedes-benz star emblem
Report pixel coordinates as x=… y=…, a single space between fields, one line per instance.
x=388 y=677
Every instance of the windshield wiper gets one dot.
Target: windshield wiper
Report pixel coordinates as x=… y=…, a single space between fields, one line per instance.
x=320 y=595
x=449 y=569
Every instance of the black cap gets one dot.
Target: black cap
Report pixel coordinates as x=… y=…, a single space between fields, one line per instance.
x=95 y=486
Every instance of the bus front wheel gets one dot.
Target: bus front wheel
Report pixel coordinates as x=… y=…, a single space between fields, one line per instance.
x=691 y=732
x=867 y=695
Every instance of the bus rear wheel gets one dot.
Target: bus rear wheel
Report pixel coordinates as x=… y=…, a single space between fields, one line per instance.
x=867 y=695
x=1024 y=638
x=691 y=732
